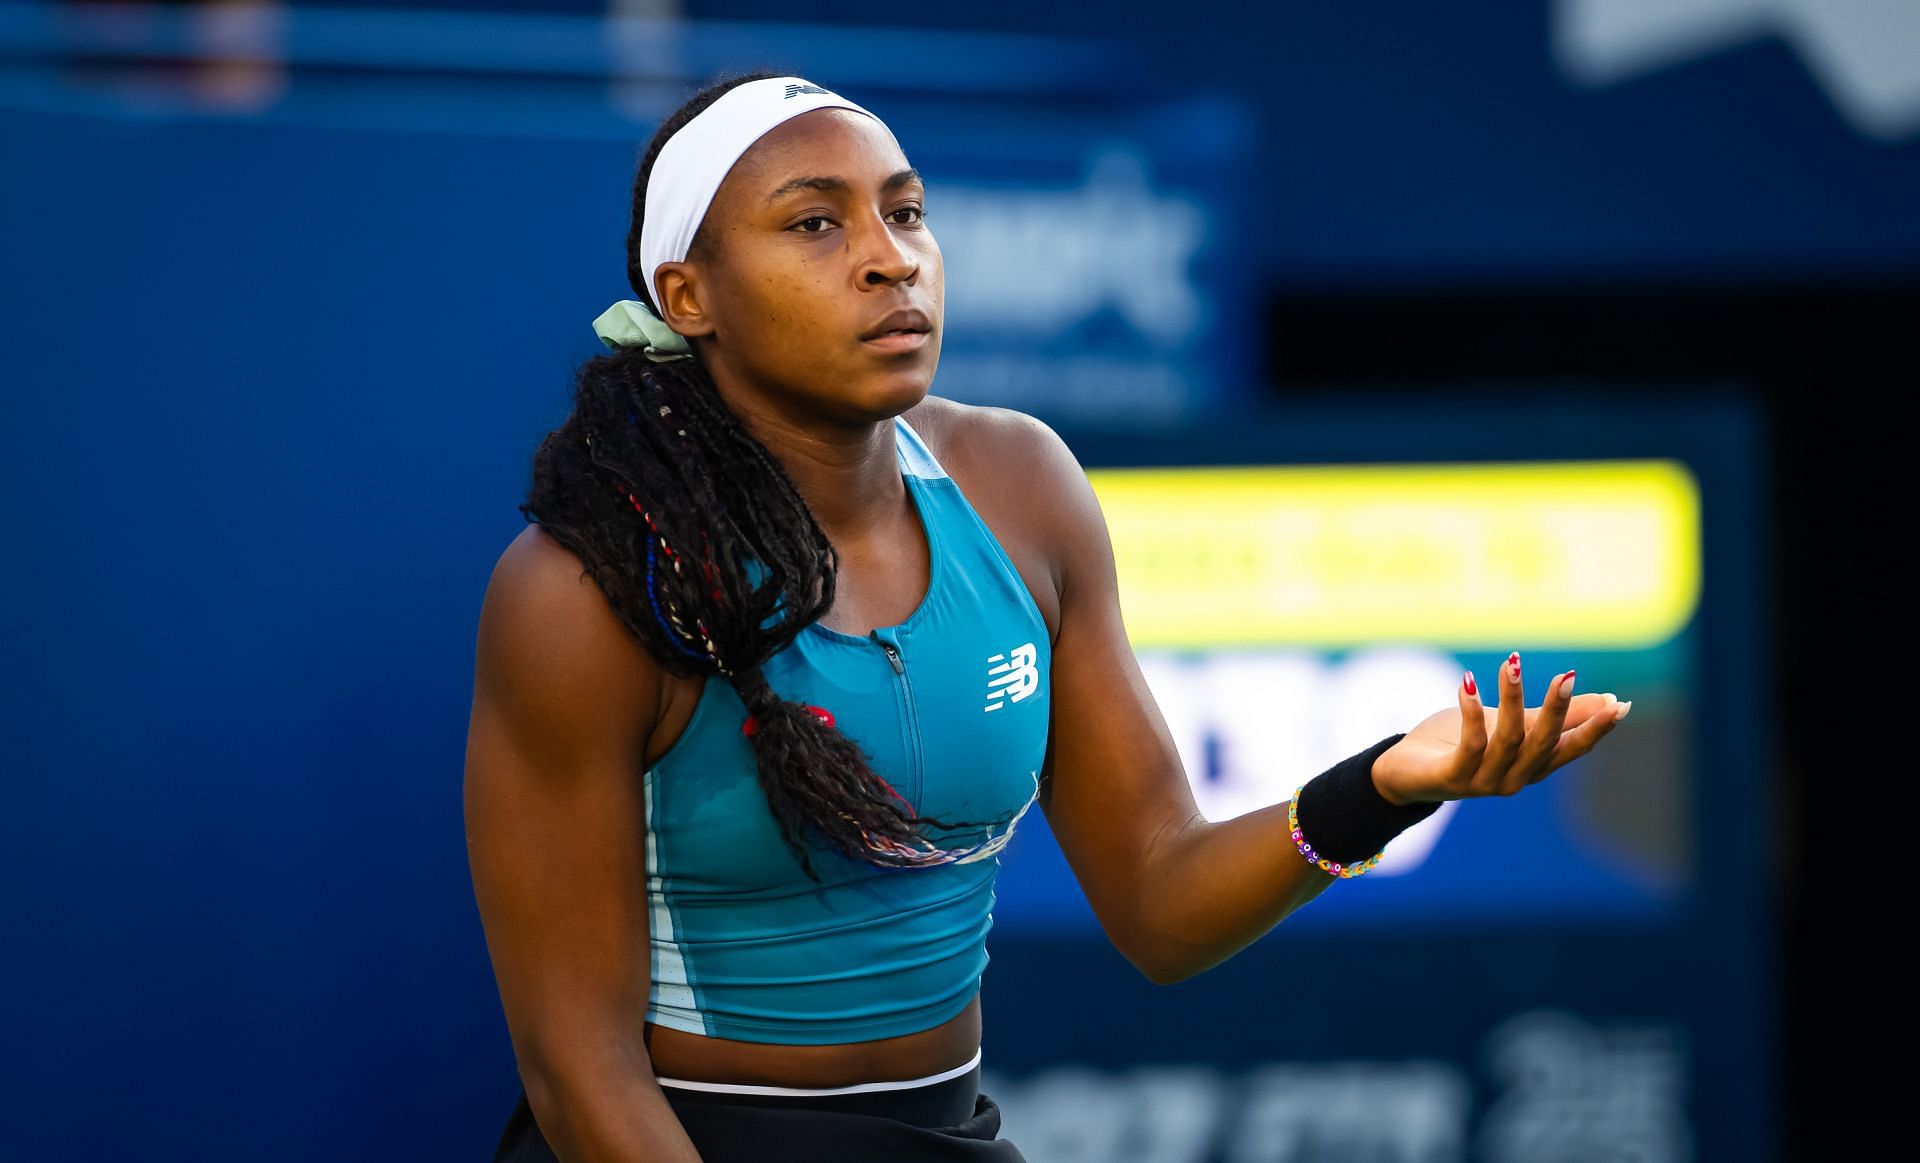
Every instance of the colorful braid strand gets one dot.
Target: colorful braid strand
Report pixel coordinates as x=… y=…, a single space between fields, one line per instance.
x=670 y=619
x=906 y=856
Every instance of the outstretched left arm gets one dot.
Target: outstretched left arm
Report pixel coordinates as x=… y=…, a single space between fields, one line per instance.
x=1176 y=893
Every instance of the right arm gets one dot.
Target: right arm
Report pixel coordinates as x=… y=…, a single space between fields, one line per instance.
x=564 y=704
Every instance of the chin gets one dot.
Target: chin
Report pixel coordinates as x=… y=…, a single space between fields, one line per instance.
x=895 y=393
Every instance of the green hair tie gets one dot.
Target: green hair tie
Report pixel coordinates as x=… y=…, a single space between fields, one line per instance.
x=628 y=323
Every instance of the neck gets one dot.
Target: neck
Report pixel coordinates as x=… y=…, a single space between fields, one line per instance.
x=847 y=471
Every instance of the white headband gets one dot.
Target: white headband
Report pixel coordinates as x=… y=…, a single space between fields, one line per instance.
x=688 y=172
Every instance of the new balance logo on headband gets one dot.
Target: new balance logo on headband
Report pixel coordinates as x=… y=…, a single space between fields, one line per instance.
x=1012 y=676
x=796 y=90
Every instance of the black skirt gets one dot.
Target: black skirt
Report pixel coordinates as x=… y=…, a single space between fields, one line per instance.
x=949 y=1120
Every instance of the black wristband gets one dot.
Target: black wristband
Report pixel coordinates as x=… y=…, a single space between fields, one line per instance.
x=1343 y=815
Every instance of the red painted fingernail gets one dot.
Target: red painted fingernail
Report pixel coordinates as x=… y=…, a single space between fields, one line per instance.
x=1472 y=690
x=1567 y=684
x=1513 y=665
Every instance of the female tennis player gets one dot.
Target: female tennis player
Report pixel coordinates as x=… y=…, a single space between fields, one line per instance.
x=786 y=653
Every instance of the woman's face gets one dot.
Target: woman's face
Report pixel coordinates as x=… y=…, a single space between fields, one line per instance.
x=814 y=237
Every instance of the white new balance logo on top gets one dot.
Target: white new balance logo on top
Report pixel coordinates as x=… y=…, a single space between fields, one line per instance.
x=1012 y=676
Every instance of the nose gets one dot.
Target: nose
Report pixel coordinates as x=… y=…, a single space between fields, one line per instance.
x=889 y=258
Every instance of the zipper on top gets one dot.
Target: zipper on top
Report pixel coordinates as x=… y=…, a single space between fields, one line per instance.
x=891 y=648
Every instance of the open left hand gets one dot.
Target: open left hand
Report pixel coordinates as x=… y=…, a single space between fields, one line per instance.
x=1477 y=751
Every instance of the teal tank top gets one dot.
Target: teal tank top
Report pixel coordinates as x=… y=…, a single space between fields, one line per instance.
x=952 y=709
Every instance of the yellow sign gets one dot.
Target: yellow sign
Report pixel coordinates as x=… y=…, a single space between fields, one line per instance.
x=1469 y=557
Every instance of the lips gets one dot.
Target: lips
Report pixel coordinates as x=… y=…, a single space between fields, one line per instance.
x=903 y=320
x=905 y=340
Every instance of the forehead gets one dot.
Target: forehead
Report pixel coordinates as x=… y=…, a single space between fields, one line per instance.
x=820 y=143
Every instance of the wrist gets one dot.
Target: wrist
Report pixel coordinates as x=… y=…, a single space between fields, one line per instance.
x=1380 y=789
x=1344 y=815
x=1386 y=796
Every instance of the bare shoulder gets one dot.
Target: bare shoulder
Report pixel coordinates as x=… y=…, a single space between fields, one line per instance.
x=1023 y=480
x=973 y=437
x=548 y=639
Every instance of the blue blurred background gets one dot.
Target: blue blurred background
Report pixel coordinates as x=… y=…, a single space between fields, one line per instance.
x=293 y=291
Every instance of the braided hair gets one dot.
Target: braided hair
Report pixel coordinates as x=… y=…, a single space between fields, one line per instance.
x=711 y=559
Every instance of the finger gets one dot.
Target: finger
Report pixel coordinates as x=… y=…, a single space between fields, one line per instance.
x=1542 y=736
x=1584 y=738
x=1509 y=730
x=1473 y=731
x=1582 y=708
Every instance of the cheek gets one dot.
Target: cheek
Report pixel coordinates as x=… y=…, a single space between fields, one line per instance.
x=934 y=273
x=789 y=341
x=790 y=301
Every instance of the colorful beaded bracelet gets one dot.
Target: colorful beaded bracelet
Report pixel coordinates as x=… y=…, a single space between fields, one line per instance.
x=1344 y=871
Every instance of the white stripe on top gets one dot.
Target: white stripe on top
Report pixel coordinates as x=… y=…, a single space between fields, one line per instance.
x=860 y=1088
